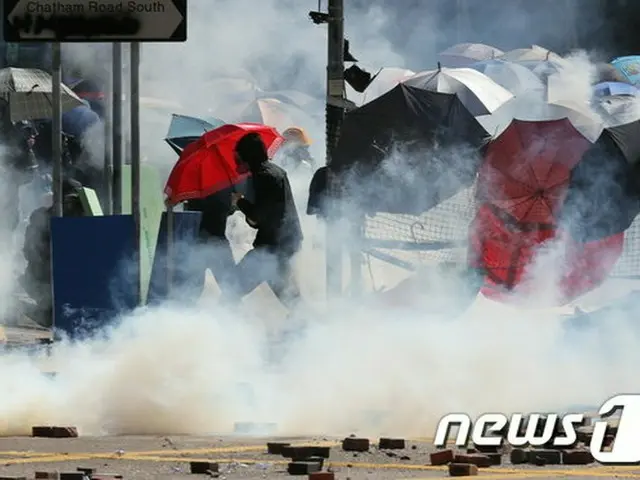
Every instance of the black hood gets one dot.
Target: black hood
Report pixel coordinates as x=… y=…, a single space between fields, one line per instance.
x=252 y=150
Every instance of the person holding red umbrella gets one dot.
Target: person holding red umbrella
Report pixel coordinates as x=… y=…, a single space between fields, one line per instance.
x=273 y=213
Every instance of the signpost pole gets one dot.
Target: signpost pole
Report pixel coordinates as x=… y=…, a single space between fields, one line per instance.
x=56 y=126
x=334 y=115
x=116 y=122
x=108 y=147
x=134 y=95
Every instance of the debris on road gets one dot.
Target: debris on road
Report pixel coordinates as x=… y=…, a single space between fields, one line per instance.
x=200 y=468
x=441 y=457
x=462 y=470
x=519 y=456
x=87 y=471
x=54 y=432
x=392 y=444
x=355 y=444
x=322 y=476
x=303 y=468
x=577 y=457
x=477 y=459
x=275 y=448
x=73 y=476
x=47 y=476
x=541 y=457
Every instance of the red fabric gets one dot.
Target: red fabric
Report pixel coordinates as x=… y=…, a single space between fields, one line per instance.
x=526 y=169
x=506 y=252
x=208 y=165
x=520 y=187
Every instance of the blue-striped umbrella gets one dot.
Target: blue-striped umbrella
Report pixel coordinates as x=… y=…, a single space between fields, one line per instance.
x=629 y=66
x=184 y=130
x=612 y=89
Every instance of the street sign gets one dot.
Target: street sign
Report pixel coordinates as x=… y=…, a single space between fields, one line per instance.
x=95 y=20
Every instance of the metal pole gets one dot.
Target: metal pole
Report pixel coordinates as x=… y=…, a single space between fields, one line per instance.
x=116 y=122
x=334 y=114
x=134 y=94
x=107 y=200
x=170 y=252
x=56 y=125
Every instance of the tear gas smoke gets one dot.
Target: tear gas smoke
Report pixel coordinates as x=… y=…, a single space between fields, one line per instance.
x=358 y=365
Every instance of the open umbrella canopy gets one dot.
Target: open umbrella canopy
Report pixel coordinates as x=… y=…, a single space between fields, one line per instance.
x=612 y=89
x=629 y=67
x=478 y=93
x=276 y=113
x=464 y=54
x=521 y=190
x=410 y=148
x=507 y=252
x=382 y=82
x=185 y=129
x=28 y=93
x=534 y=106
x=514 y=77
x=207 y=166
x=535 y=53
x=604 y=193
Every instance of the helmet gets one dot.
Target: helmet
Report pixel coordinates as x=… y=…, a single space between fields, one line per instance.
x=296 y=134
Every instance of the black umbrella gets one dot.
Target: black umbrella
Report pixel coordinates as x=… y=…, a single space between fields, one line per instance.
x=408 y=150
x=603 y=197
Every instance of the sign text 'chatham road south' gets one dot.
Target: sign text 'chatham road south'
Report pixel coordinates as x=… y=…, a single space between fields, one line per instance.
x=95 y=20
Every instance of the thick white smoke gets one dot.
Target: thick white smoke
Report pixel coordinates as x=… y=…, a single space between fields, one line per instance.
x=352 y=365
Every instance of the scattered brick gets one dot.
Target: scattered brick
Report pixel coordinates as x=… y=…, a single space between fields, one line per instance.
x=13 y=478
x=47 y=476
x=478 y=459
x=577 y=457
x=462 y=470
x=54 y=432
x=519 y=456
x=472 y=450
x=87 y=471
x=201 y=468
x=275 y=448
x=486 y=448
x=584 y=434
x=298 y=453
x=322 y=476
x=354 y=444
x=323 y=452
x=392 y=444
x=303 y=468
x=441 y=457
x=540 y=456
x=73 y=476
x=106 y=476
x=494 y=458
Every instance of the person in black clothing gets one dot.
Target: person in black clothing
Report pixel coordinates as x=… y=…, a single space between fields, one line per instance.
x=215 y=252
x=273 y=213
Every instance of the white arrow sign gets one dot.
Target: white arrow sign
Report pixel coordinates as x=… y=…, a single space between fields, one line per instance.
x=96 y=20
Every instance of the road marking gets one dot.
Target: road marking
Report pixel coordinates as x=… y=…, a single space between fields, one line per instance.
x=17 y=453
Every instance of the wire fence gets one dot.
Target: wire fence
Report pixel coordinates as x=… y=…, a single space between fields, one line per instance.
x=420 y=240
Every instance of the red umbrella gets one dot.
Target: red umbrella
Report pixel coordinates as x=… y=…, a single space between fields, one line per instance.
x=527 y=169
x=208 y=165
x=505 y=251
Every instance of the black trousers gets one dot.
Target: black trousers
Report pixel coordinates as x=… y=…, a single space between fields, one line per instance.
x=263 y=264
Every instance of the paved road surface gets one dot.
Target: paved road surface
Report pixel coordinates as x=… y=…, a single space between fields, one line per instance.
x=144 y=458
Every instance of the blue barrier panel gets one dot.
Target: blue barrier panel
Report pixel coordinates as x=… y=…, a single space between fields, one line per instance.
x=187 y=275
x=92 y=281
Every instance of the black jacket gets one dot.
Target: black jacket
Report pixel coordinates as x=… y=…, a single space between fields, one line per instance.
x=274 y=210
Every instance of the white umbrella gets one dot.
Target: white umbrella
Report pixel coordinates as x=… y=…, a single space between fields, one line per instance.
x=29 y=96
x=464 y=54
x=514 y=77
x=533 y=106
x=386 y=79
x=535 y=53
x=477 y=92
